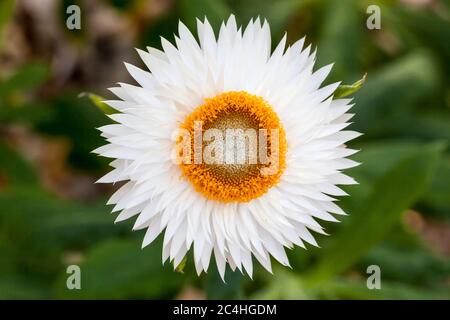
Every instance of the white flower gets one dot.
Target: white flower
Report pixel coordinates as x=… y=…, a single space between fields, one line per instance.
x=233 y=211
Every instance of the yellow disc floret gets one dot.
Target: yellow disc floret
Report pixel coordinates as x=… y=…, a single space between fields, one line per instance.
x=233 y=148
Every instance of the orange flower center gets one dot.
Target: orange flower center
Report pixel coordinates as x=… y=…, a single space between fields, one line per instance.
x=232 y=148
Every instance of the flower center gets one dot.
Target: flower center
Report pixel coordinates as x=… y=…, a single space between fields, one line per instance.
x=232 y=148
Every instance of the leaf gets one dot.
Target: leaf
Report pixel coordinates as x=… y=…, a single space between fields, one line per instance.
x=14 y=170
x=380 y=156
x=38 y=228
x=6 y=11
x=215 y=10
x=433 y=125
x=341 y=24
x=120 y=269
x=98 y=102
x=67 y=224
x=182 y=265
x=24 y=79
x=393 y=193
x=376 y=159
x=278 y=13
x=76 y=120
x=438 y=194
x=30 y=114
x=290 y=286
x=15 y=104
x=432 y=30
x=346 y=90
x=18 y=287
x=232 y=288
x=8 y=261
x=390 y=290
x=393 y=91
x=424 y=268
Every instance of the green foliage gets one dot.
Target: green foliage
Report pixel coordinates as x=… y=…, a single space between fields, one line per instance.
x=347 y=90
x=16 y=91
x=26 y=78
x=14 y=169
x=278 y=13
x=424 y=267
x=345 y=289
x=290 y=286
x=436 y=198
x=390 y=195
x=232 y=288
x=215 y=10
x=21 y=288
x=120 y=269
x=77 y=120
x=182 y=265
x=402 y=109
x=6 y=10
x=98 y=102
x=341 y=25
x=393 y=91
x=44 y=226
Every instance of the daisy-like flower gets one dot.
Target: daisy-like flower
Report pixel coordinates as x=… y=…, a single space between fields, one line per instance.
x=180 y=179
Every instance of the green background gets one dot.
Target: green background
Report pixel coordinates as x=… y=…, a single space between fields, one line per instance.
x=52 y=214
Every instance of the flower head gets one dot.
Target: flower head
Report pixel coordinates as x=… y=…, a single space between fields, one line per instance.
x=228 y=148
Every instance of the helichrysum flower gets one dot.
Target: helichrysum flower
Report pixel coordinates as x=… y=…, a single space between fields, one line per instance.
x=228 y=148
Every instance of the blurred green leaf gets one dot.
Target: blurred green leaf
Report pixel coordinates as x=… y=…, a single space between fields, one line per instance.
x=26 y=78
x=438 y=194
x=393 y=91
x=164 y=26
x=432 y=30
x=14 y=95
x=403 y=106
x=16 y=287
x=232 y=288
x=340 y=39
x=419 y=125
x=215 y=10
x=31 y=114
x=7 y=259
x=377 y=158
x=77 y=120
x=391 y=195
x=289 y=285
x=346 y=289
x=121 y=269
x=38 y=228
x=277 y=13
x=98 y=102
x=6 y=11
x=182 y=265
x=14 y=170
x=424 y=268
x=347 y=90
x=67 y=224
